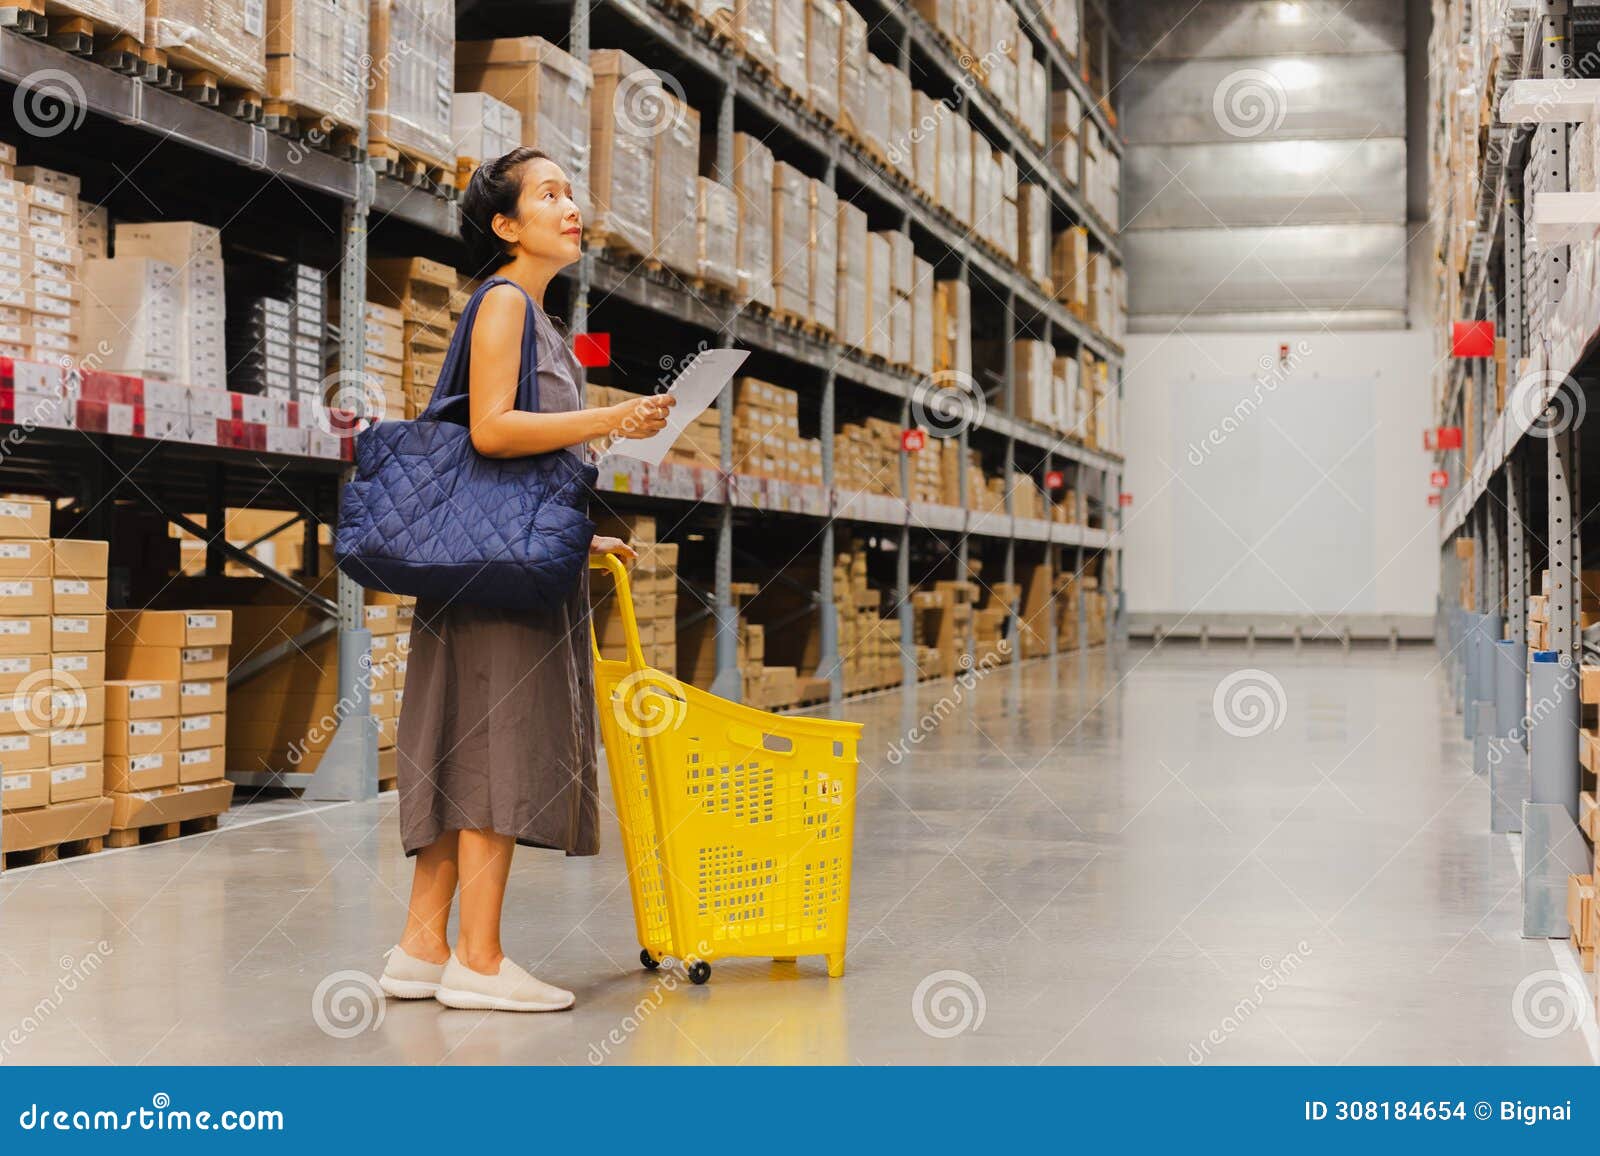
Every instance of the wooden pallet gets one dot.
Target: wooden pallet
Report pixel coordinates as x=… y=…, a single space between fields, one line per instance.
x=160 y=832
x=51 y=852
x=315 y=129
x=409 y=168
x=24 y=16
x=596 y=237
x=71 y=31
x=388 y=785
x=211 y=89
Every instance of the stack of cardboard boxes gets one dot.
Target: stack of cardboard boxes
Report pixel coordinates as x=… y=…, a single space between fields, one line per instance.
x=766 y=434
x=653 y=582
x=200 y=355
x=388 y=618
x=166 y=717
x=622 y=164
x=40 y=262
x=412 y=45
x=869 y=644
x=314 y=62
x=483 y=128
x=991 y=622
x=420 y=291
x=866 y=457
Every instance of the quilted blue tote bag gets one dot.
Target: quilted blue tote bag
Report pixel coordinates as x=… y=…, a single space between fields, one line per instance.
x=428 y=515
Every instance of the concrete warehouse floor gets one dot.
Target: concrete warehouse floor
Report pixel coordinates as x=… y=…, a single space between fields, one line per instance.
x=1118 y=879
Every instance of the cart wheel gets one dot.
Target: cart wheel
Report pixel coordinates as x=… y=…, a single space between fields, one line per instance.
x=650 y=962
x=699 y=971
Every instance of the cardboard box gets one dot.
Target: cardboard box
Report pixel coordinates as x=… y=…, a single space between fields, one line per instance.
x=77 y=596
x=85 y=744
x=169 y=628
x=80 y=558
x=71 y=781
x=24 y=750
x=1580 y=900
x=201 y=764
x=141 y=772
x=20 y=789
x=22 y=517
x=15 y=669
x=57 y=823
x=76 y=707
x=202 y=730
x=21 y=557
x=141 y=736
x=167 y=663
x=74 y=633
x=87 y=669
x=622 y=164
x=141 y=698
x=202 y=696
x=146 y=808
x=24 y=597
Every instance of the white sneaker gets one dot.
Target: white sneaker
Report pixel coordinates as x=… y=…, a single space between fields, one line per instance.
x=512 y=989
x=407 y=977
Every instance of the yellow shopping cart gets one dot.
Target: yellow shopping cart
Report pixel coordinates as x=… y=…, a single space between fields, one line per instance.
x=736 y=823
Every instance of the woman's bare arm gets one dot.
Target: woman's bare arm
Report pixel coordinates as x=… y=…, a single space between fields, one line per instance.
x=499 y=429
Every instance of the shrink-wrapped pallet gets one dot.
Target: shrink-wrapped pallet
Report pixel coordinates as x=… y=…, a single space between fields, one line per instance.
x=1036 y=114
x=852 y=71
x=227 y=37
x=672 y=236
x=483 y=127
x=922 y=317
x=752 y=20
x=625 y=106
x=752 y=182
x=901 y=111
x=952 y=335
x=986 y=212
x=314 y=50
x=1069 y=258
x=929 y=117
x=717 y=233
x=879 y=335
x=902 y=259
x=789 y=45
x=791 y=235
x=851 y=321
x=1033 y=228
x=941 y=14
x=547 y=86
x=875 y=134
x=720 y=14
x=409 y=82
x=824 y=258
x=823 y=30
x=944 y=189
x=900 y=330
x=962 y=204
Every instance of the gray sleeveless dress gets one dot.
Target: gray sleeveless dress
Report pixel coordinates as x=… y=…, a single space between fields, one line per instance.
x=497 y=728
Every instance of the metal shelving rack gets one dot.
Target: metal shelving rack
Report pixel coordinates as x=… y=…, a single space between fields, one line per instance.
x=349 y=769
x=1519 y=497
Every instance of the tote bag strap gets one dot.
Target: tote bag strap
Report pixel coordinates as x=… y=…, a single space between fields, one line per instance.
x=450 y=394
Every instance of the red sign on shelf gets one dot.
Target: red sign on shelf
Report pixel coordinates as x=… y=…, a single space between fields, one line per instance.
x=912 y=440
x=1439 y=479
x=1435 y=499
x=1472 y=339
x=592 y=349
x=1124 y=500
x=1445 y=437
x=1054 y=479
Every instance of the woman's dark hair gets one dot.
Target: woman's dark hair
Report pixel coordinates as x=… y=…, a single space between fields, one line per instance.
x=493 y=191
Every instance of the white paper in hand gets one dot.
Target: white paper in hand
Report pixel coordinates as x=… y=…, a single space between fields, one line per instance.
x=695 y=389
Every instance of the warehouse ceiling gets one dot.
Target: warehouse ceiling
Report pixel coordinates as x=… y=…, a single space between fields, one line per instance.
x=1265 y=181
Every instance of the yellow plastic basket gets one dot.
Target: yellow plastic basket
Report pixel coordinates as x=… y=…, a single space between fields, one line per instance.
x=737 y=824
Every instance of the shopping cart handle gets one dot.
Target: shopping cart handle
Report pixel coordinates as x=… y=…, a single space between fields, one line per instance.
x=630 y=622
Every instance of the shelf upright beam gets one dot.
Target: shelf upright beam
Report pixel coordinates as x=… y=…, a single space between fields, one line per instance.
x=1516 y=557
x=1562 y=463
x=578 y=46
x=905 y=610
x=828 y=665
x=1009 y=332
x=1511 y=220
x=728 y=683
x=1052 y=553
x=1550 y=139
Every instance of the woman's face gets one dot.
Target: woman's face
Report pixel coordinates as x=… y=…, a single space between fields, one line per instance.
x=548 y=225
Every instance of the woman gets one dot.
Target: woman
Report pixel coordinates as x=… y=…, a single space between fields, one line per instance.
x=496 y=741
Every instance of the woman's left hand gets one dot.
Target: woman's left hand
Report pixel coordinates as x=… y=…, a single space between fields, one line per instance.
x=604 y=545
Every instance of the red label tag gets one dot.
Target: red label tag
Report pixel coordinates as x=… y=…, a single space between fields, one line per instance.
x=1054 y=480
x=1439 y=479
x=592 y=349
x=912 y=440
x=1472 y=339
x=1449 y=437
x=1434 y=499
x=1125 y=500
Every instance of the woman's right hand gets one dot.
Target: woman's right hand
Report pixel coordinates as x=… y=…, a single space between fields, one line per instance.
x=640 y=417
